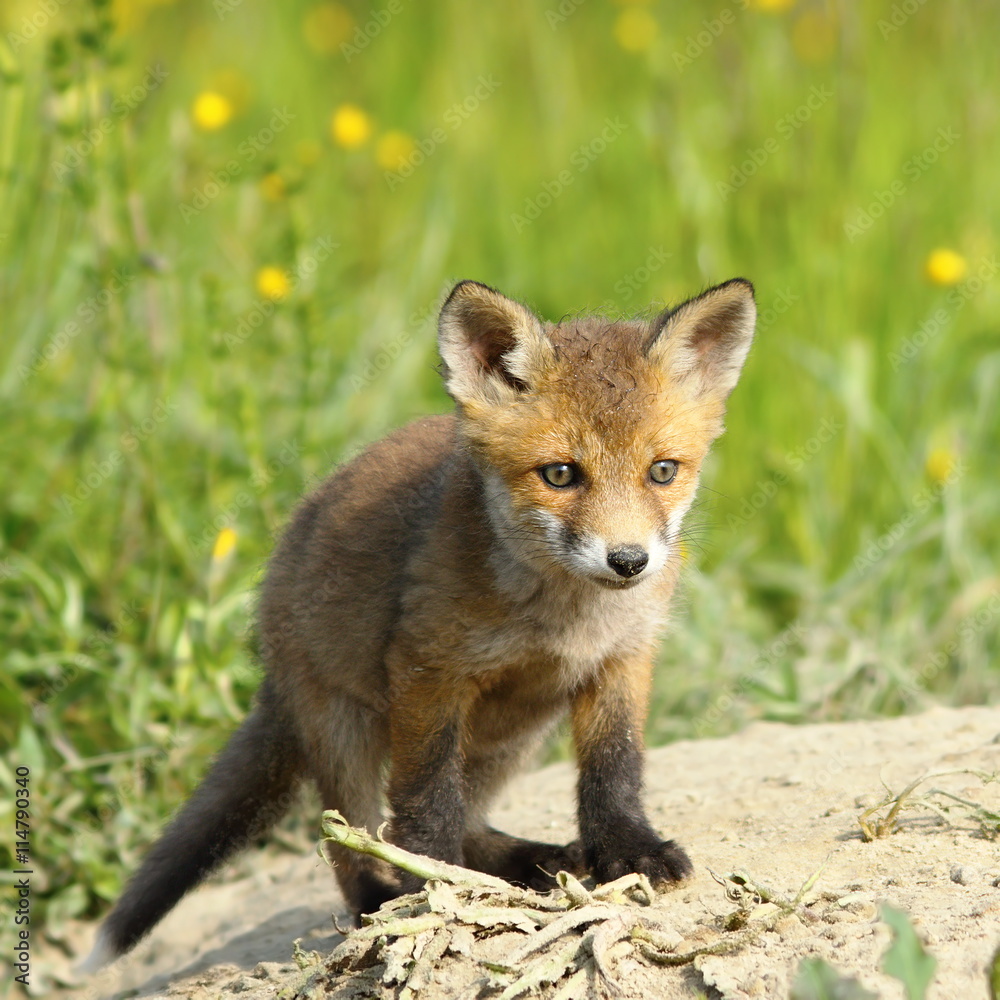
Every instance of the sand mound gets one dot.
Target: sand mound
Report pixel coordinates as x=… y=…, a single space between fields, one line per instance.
x=768 y=807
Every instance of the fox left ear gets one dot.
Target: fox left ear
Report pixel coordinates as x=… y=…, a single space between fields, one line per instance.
x=704 y=342
x=493 y=348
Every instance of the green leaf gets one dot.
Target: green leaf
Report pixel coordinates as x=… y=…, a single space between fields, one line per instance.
x=817 y=980
x=29 y=750
x=906 y=958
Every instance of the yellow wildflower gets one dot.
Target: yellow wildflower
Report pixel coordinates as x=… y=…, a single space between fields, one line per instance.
x=273 y=283
x=327 y=26
x=350 y=126
x=224 y=545
x=211 y=110
x=945 y=267
x=939 y=465
x=636 y=29
x=771 y=6
x=273 y=187
x=393 y=150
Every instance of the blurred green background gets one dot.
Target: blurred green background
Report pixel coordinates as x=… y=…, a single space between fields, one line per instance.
x=225 y=228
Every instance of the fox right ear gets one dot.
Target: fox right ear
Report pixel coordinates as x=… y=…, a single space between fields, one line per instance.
x=492 y=347
x=704 y=342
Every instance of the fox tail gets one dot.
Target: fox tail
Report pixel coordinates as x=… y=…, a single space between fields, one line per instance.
x=247 y=790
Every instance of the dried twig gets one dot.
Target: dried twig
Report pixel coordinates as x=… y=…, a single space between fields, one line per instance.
x=567 y=941
x=874 y=826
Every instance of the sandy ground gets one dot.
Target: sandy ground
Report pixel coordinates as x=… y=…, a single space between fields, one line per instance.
x=774 y=800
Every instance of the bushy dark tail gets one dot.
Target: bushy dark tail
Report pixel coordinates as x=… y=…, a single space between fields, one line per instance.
x=248 y=789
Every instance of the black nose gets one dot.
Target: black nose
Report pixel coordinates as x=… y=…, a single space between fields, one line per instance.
x=628 y=560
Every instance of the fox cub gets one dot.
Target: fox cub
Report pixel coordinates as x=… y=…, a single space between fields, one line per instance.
x=441 y=601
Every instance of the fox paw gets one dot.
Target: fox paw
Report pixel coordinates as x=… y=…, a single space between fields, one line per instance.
x=535 y=865
x=662 y=861
x=540 y=875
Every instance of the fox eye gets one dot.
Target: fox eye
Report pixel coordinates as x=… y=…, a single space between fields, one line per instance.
x=663 y=472
x=559 y=474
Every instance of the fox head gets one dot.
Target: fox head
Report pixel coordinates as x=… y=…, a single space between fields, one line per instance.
x=589 y=434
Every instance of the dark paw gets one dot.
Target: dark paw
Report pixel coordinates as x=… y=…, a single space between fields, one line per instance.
x=539 y=871
x=369 y=892
x=523 y=862
x=662 y=861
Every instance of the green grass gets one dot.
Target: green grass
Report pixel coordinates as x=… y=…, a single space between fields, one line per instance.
x=192 y=405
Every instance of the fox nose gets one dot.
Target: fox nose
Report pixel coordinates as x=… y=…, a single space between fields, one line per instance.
x=628 y=560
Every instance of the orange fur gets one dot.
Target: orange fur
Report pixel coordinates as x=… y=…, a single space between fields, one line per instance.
x=438 y=604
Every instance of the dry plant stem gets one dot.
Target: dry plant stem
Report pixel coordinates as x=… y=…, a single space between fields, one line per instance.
x=576 y=892
x=809 y=883
x=555 y=930
x=423 y=970
x=649 y=950
x=620 y=886
x=601 y=939
x=743 y=885
x=576 y=986
x=884 y=826
x=981 y=813
x=337 y=830
x=573 y=937
x=401 y=927
x=549 y=969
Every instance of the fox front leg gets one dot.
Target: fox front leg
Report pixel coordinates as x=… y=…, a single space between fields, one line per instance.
x=617 y=838
x=425 y=770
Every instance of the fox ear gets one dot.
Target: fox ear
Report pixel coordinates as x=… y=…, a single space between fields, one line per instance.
x=493 y=347
x=704 y=342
